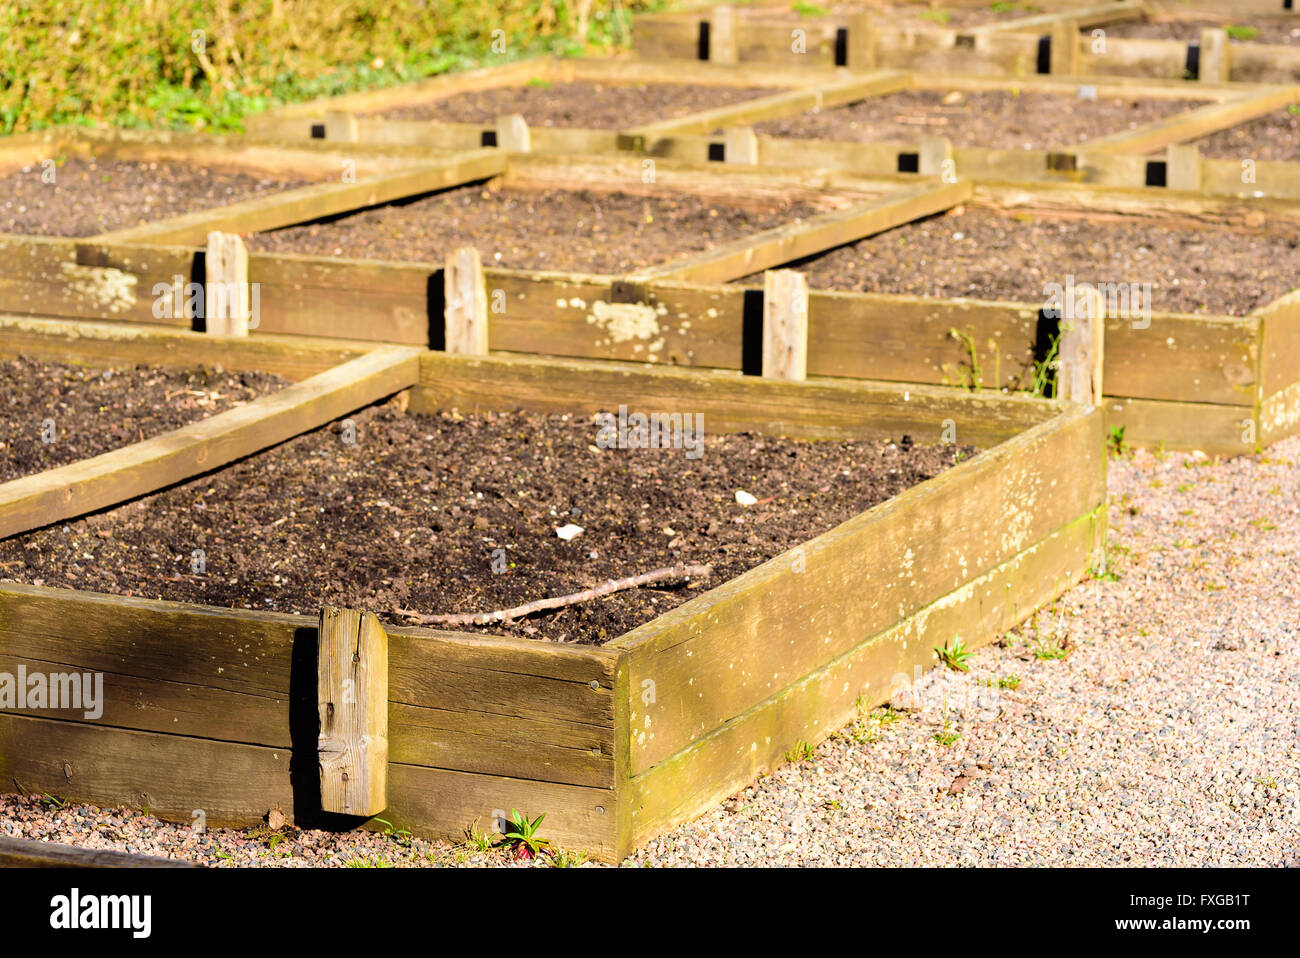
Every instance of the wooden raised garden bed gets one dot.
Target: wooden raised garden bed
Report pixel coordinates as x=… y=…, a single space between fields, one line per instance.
x=1173 y=40
x=877 y=123
x=217 y=708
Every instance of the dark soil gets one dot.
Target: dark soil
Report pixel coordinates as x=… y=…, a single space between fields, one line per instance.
x=1030 y=121
x=591 y=106
x=575 y=230
x=409 y=516
x=94 y=196
x=1275 y=136
x=985 y=254
x=1285 y=30
x=97 y=410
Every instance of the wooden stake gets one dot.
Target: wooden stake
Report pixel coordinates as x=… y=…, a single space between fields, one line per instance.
x=861 y=42
x=1065 y=48
x=340 y=125
x=740 y=145
x=1213 y=63
x=226 y=309
x=722 y=36
x=352 y=697
x=785 y=325
x=935 y=150
x=513 y=133
x=1080 y=349
x=465 y=314
x=1183 y=167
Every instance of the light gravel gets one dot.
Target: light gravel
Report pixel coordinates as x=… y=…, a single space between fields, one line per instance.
x=1147 y=718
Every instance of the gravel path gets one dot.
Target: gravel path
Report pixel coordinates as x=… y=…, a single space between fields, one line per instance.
x=1146 y=719
x=1168 y=735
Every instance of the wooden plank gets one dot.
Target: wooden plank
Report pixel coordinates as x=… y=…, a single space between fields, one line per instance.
x=785 y=325
x=27 y=853
x=1192 y=123
x=141 y=468
x=1041 y=23
x=352 y=703
x=227 y=309
x=730 y=402
x=313 y=202
x=1214 y=429
x=466 y=309
x=1280 y=353
x=106 y=344
x=724 y=652
x=475 y=703
x=789 y=103
x=234 y=785
x=753 y=742
x=784 y=244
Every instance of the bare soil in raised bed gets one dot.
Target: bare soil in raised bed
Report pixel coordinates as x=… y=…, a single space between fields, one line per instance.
x=1272 y=137
x=575 y=230
x=581 y=104
x=991 y=118
x=94 y=411
x=987 y=254
x=95 y=196
x=1274 y=30
x=409 y=516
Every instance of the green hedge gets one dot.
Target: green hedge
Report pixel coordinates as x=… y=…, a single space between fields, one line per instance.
x=204 y=64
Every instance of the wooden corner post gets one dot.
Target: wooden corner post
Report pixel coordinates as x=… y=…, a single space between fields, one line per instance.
x=226 y=307
x=785 y=325
x=513 y=133
x=1064 y=59
x=352 y=699
x=1184 y=169
x=1212 y=57
x=861 y=53
x=1081 y=347
x=466 y=308
x=722 y=36
x=740 y=145
x=341 y=125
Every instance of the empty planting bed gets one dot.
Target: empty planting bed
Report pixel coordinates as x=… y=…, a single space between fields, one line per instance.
x=993 y=118
x=521 y=228
x=1274 y=137
x=982 y=253
x=1246 y=28
x=410 y=515
x=585 y=104
x=85 y=197
x=53 y=414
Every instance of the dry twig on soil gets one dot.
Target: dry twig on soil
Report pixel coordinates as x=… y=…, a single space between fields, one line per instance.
x=667 y=574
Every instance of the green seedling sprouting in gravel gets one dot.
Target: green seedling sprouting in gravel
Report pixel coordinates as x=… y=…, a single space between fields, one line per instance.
x=955 y=656
x=1115 y=441
x=522 y=836
x=567 y=859
x=802 y=752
